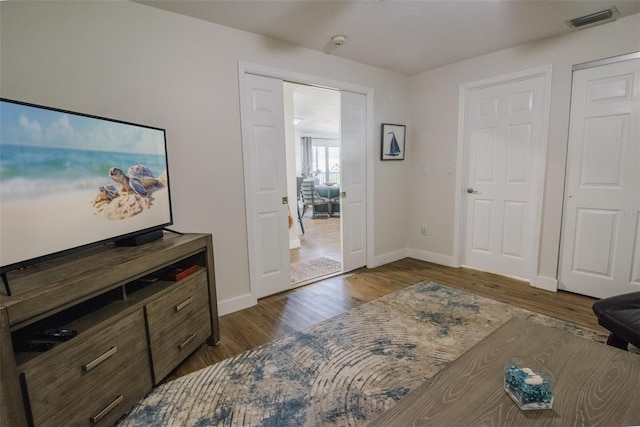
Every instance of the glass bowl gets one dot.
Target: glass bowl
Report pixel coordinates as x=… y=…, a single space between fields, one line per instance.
x=529 y=383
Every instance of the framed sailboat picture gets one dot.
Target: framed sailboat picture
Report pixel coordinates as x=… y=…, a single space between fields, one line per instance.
x=392 y=142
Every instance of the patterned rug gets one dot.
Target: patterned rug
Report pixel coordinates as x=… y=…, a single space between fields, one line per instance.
x=316 y=267
x=344 y=371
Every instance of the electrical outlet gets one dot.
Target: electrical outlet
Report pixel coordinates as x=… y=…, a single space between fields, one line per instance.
x=423 y=229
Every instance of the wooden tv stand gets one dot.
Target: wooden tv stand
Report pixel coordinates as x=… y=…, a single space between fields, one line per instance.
x=133 y=324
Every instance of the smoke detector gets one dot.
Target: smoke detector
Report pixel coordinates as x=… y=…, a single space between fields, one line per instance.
x=607 y=15
x=338 y=40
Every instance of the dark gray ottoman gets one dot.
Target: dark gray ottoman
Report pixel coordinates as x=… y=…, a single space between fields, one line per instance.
x=620 y=315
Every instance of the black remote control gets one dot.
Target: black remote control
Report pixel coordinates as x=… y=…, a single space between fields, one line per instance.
x=35 y=346
x=57 y=334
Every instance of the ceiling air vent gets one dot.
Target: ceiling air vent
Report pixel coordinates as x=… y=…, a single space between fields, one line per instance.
x=601 y=17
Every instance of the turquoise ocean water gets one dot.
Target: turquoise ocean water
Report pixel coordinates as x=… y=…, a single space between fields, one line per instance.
x=29 y=172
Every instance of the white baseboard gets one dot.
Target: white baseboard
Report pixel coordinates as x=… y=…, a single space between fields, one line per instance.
x=433 y=257
x=293 y=244
x=236 y=304
x=246 y=301
x=387 y=258
x=546 y=283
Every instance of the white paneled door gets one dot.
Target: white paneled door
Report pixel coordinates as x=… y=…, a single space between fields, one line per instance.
x=505 y=137
x=353 y=186
x=600 y=253
x=266 y=185
x=264 y=150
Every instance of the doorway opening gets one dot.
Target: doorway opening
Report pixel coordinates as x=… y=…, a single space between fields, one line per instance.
x=312 y=131
x=267 y=158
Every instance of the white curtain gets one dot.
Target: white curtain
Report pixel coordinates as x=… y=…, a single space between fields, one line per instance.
x=307 y=156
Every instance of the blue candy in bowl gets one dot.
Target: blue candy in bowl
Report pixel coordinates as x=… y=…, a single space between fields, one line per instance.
x=529 y=383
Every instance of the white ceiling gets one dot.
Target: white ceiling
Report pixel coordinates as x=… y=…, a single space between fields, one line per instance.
x=317 y=110
x=408 y=37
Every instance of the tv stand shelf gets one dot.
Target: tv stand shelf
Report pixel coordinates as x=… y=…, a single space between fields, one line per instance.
x=134 y=325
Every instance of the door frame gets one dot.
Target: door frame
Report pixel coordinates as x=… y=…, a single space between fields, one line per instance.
x=539 y=167
x=245 y=68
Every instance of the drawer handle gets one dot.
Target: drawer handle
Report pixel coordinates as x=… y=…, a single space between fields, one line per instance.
x=96 y=418
x=183 y=304
x=186 y=342
x=91 y=365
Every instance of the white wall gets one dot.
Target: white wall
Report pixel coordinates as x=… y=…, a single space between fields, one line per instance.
x=136 y=63
x=435 y=131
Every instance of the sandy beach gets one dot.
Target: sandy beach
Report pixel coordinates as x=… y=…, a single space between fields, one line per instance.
x=66 y=220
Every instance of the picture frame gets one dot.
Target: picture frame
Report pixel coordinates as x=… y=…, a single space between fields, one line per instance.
x=392 y=145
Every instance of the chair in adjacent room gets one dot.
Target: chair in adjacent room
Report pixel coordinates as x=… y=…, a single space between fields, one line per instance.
x=310 y=197
x=335 y=206
x=299 y=180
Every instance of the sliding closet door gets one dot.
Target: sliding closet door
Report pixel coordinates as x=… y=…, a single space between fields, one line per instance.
x=601 y=223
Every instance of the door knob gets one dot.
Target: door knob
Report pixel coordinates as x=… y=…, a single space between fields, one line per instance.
x=470 y=190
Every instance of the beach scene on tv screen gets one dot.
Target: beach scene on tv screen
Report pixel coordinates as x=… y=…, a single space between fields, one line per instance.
x=68 y=180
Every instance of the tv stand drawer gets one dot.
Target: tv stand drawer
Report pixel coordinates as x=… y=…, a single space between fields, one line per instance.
x=178 y=322
x=98 y=378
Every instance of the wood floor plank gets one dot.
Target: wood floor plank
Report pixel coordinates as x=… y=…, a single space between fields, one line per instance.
x=282 y=314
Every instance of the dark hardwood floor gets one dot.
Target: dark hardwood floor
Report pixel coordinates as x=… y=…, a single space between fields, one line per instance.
x=282 y=314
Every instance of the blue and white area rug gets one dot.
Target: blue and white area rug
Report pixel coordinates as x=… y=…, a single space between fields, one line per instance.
x=344 y=371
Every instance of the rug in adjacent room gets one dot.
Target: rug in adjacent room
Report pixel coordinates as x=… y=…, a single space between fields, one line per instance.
x=317 y=267
x=344 y=371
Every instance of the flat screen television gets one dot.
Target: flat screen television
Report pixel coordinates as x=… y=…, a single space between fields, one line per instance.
x=70 y=181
